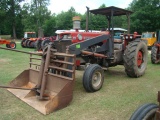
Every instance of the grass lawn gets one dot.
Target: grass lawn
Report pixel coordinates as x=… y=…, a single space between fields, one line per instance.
x=118 y=98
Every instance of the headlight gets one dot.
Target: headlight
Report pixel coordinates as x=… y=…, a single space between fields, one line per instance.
x=126 y=37
x=79 y=36
x=131 y=37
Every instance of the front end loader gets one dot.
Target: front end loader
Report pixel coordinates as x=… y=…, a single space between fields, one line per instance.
x=47 y=86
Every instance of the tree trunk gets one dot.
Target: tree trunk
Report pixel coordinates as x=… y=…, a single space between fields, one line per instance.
x=13 y=18
x=14 y=31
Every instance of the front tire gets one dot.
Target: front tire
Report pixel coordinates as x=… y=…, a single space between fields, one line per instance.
x=38 y=46
x=145 y=112
x=93 y=78
x=45 y=43
x=23 y=43
x=135 y=58
x=26 y=43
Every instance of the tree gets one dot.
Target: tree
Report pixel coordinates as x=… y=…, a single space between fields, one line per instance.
x=10 y=9
x=50 y=27
x=64 y=19
x=35 y=15
x=146 y=15
x=97 y=22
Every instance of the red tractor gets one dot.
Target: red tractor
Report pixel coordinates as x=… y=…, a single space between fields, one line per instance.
x=41 y=43
x=50 y=85
x=29 y=40
x=9 y=44
x=98 y=51
x=155 y=52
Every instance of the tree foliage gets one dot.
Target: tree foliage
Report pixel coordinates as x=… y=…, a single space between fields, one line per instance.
x=50 y=27
x=146 y=15
x=11 y=16
x=35 y=15
x=17 y=19
x=64 y=19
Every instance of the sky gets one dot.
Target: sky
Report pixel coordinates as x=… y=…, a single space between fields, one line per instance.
x=56 y=6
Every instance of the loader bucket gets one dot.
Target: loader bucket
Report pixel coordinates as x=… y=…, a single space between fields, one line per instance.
x=53 y=80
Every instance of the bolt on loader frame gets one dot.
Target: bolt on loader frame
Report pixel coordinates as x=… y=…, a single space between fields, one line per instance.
x=49 y=86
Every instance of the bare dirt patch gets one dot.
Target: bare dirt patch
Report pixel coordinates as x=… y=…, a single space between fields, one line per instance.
x=4 y=60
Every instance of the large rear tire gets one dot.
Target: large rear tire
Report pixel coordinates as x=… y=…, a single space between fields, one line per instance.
x=26 y=43
x=154 y=55
x=12 y=45
x=38 y=45
x=93 y=78
x=22 y=43
x=45 y=43
x=145 y=112
x=135 y=58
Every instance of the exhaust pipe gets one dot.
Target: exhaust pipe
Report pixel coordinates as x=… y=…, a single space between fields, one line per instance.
x=87 y=18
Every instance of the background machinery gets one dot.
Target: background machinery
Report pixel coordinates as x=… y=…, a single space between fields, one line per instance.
x=150 y=37
x=9 y=44
x=29 y=40
x=155 y=52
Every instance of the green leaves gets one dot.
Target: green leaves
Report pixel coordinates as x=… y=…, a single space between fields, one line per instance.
x=146 y=15
x=35 y=14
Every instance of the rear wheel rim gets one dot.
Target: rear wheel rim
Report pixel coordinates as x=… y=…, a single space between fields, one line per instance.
x=139 y=58
x=12 y=45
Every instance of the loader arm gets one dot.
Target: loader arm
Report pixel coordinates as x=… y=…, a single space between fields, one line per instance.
x=107 y=45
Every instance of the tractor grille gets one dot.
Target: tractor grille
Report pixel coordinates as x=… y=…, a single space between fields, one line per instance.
x=60 y=45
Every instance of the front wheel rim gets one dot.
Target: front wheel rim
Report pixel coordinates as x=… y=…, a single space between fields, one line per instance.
x=12 y=45
x=96 y=79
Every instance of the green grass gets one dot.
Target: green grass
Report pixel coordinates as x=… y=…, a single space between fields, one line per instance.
x=117 y=100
